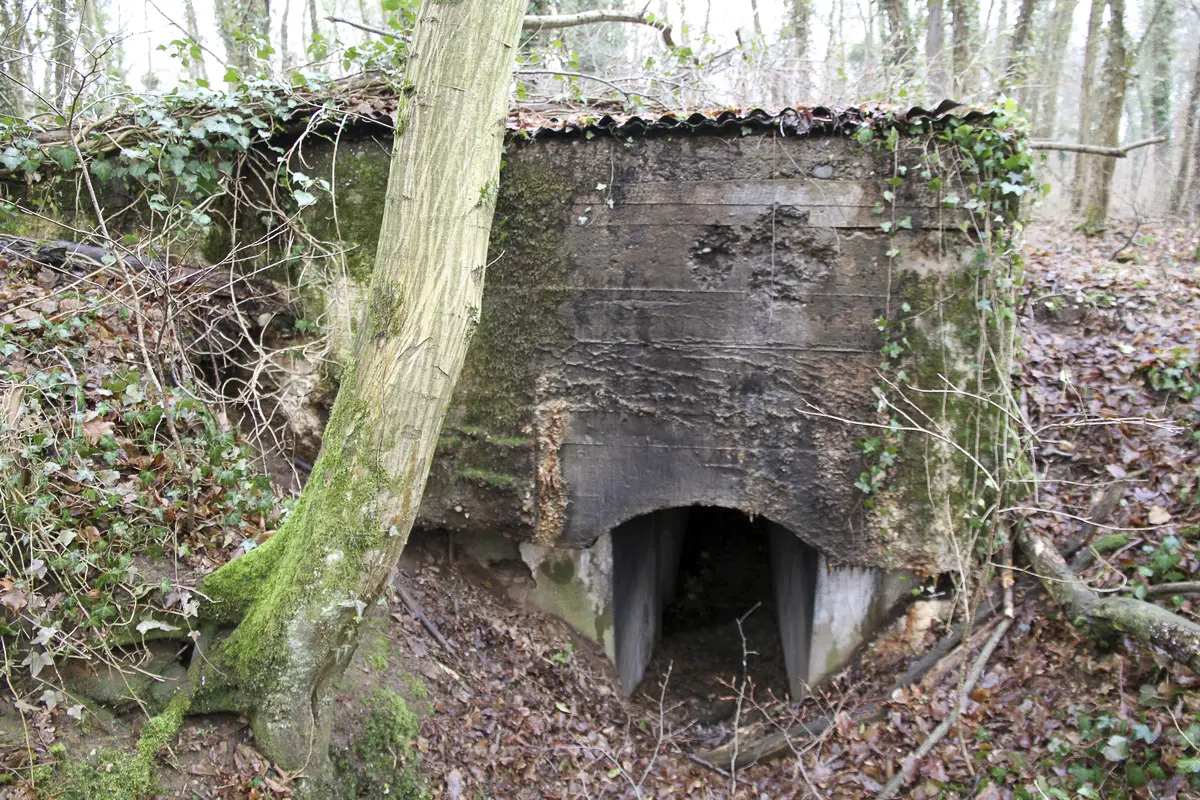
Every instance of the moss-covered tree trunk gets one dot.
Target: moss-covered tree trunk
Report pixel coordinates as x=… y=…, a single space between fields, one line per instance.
x=297 y=599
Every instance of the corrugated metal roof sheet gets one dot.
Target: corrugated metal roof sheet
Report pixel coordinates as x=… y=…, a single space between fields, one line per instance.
x=797 y=121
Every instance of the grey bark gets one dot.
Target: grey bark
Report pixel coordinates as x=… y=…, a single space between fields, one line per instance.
x=1090 y=55
x=298 y=626
x=195 y=65
x=935 y=45
x=962 y=24
x=1117 y=69
x=1053 y=55
x=238 y=21
x=1188 y=142
x=61 y=54
x=1017 y=73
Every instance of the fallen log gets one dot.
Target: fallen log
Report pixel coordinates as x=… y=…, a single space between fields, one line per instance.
x=1108 y=616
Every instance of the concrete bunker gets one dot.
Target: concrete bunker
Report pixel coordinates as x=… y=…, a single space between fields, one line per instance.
x=684 y=313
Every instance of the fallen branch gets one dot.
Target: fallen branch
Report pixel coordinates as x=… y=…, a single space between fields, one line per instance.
x=555 y=21
x=418 y=613
x=1168 y=589
x=1095 y=149
x=1098 y=515
x=898 y=780
x=1107 y=616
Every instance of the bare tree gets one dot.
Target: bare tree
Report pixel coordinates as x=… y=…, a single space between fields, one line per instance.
x=963 y=21
x=1054 y=51
x=935 y=45
x=1117 y=69
x=1187 y=143
x=1086 y=85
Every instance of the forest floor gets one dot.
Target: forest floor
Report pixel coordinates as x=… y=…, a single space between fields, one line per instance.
x=516 y=705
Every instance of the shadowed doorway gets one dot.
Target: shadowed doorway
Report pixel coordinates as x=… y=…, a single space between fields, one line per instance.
x=682 y=579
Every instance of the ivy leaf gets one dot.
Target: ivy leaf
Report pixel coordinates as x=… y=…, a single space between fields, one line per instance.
x=63 y=156
x=151 y=624
x=1117 y=749
x=303 y=198
x=11 y=158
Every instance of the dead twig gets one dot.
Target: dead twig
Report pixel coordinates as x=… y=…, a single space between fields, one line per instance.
x=418 y=613
x=898 y=780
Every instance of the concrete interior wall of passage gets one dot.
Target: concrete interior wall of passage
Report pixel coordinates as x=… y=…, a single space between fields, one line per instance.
x=850 y=604
x=645 y=552
x=794 y=577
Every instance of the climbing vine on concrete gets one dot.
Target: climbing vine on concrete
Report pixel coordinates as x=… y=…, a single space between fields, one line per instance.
x=947 y=398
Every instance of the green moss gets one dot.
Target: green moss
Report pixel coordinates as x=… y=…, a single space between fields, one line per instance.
x=381 y=761
x=561 y=571
x=305 y=577
x=416 y=687
x=486 y=476
x=362 y=170
x=526 y=284
x=115 y=775
x=376 y=653
x=1110 y=542
x=498 y=441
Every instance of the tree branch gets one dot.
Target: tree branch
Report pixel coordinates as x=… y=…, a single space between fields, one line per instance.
x=548 y=22
x=555 y=21
x=607 y=83
x=1095 y=149
x=1106 y=617
x=362 y=26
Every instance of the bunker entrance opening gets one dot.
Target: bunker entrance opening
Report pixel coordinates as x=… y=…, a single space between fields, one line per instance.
x=682 y=580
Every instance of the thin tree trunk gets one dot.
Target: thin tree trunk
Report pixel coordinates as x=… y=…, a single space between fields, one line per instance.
x=1017 y=73
x=1188 y=142
x=299 y=597
x=899 y=49
x=1090 y=53
x=241 y=24
x=61 y=54
x=285 y=52
x=962 y=13
x=12 y=72
x=1053 y=56
x=935 y=44
x=1108 y=129
x=196 y=59
x=315 y=29
x=800 y=30
x=1162 y=38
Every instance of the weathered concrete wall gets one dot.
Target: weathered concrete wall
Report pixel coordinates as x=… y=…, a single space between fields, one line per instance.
x=658 y=314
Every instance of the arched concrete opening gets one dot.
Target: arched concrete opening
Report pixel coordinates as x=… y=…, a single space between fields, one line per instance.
x=682 y=577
